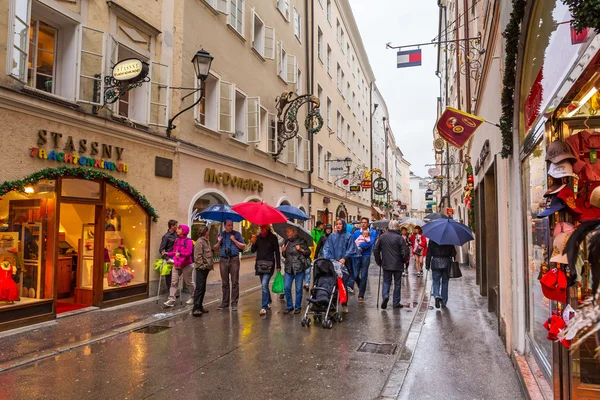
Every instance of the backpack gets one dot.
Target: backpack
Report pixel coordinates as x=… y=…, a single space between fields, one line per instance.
x=193 y=248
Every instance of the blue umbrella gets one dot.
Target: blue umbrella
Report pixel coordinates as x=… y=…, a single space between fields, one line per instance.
x=448 y=231
x=221 y=212
x=293 y=213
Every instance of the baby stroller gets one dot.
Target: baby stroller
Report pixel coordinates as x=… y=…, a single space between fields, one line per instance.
x=323 y=302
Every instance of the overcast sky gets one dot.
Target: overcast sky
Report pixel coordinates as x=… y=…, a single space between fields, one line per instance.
x=410 y=93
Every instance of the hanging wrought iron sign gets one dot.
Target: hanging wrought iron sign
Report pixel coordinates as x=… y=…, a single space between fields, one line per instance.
x=287 y=117
x=126 y=75
x=380 y=186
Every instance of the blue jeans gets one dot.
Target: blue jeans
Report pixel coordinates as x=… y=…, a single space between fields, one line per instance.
x=362 y=274
x=437 y=276
x=387 y=284
x=289 y=278
x=351 y=265
x=265 y=279
x=307 y=276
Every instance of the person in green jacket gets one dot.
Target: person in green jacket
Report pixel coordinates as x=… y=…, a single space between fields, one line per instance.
x=316 y=234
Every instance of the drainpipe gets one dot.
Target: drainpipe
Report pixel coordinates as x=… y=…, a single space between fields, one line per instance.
x=310 y=66
x=467 y=63
x=371 y=136
x=457 y=37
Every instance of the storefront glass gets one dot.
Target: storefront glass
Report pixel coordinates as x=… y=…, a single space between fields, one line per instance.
x=248 y=230
x=200 y=205
x=125 y=241
x=537 y=242
x=27 y=226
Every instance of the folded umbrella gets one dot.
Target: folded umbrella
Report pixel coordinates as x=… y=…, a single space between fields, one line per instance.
x=293 y=213
x=448 y=231
x=303 y=233
x=434 y=216
x=260 y=213
x=221 y=213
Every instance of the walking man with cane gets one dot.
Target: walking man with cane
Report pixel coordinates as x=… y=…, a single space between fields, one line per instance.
x=390 y=254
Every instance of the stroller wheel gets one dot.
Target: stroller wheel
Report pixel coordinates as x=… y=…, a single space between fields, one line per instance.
x=329 y=324
x=338 y=317
x=325 y=324
x=308 y=322
x=303 y=322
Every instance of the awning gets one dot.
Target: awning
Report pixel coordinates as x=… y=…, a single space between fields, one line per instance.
x=378 y=210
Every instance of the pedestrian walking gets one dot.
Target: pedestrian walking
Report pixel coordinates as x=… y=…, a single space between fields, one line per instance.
x=266 y=247
x=419 y=248
x=183 y=249
x=316 y=234
x=360 y=264
x=203 y=263
x=322 y=240
x=407 y=247
x=438 y=260
x=340 y=247
x=296 y=254
x=231 y=244
x=166 y=245
x=390 y=256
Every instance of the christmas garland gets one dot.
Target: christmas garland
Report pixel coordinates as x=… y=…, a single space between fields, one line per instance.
x=468 y=197
x=84 y=173
x=585 y=14
x=511 y=34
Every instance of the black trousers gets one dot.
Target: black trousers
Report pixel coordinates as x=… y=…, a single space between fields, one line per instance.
x=201 y=277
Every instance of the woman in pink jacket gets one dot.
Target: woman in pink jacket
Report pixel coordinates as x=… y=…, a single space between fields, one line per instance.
x=419 y=248
x=182 y=255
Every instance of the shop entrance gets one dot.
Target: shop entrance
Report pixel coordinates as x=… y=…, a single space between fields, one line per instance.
x=77 y=243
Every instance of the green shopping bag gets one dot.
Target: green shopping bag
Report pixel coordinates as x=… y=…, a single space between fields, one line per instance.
x=278 y=283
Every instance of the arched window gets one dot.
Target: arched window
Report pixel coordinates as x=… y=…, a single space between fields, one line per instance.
x=249 y=230
x=203 y=202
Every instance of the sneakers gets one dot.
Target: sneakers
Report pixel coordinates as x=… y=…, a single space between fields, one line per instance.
x=288 y=310
x=169 y=303
x=398 y=306
x=204 y=310
x=222 y=307
x=350 y=290
x=438 y=302
x=297 y=311
x=361 y=300
x=384 y=303
x=190 y=301
x=345 y=308
x=197 y=313
x=263 y=312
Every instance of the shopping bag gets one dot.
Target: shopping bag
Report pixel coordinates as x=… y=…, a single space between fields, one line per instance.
x=278 y=286
x=342 y=290
x=454 y=271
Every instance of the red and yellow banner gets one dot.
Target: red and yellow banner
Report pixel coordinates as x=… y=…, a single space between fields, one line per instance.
x=456 y=127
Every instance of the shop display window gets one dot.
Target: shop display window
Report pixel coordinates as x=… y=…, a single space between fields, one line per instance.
x=249 y=230
x=27 y=225
x=125 y=241
x=537 y=248
x=200 y=205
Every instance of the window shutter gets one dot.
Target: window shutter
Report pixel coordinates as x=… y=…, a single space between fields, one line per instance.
x=272 y=143
x=19 y=38
x=279 y=60
x=253 y=119
x=291 y=69
x=291 y=151
x=159 y=94
x=90 y=85
x=226 y=107
x=269 y=43
x=252 y=27
x=287 y=9
x=222 y=6
x=306 y=155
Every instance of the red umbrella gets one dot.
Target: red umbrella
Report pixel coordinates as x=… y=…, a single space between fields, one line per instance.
x=259 y=213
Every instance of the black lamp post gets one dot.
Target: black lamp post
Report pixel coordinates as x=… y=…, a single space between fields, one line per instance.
x=202 y=61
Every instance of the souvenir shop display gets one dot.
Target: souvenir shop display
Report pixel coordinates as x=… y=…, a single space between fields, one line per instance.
x=8 y=288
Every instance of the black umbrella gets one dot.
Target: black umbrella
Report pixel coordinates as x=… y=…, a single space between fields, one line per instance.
x=434 y=216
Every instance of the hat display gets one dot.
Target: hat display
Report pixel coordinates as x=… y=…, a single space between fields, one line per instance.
x=560 y=242
x=595 y=197
x=554 y=188
x=555 y=205
x=559 y=151
x=554 y=285
x=568 y=198
x=562 y=169
x=561 y=227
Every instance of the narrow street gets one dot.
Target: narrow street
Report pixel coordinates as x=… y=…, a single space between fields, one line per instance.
x=229 y=355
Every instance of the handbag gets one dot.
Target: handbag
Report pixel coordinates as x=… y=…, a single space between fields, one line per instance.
x=264 y=267
x=454 y=270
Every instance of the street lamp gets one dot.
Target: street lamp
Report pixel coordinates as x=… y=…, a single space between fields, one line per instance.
x=201 y=61
x=348 y=163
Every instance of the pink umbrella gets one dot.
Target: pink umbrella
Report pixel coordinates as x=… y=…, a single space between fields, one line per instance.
x=259 y=213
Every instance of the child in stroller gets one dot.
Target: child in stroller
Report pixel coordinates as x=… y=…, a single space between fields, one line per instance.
x=323 y=302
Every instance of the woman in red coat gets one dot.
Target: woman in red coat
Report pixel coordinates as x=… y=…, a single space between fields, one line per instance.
x=419 y=248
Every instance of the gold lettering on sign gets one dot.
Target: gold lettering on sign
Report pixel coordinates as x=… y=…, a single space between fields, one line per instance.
x=225 y=178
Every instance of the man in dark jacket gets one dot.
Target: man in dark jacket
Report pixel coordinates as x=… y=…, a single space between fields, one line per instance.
x=166 y=244
x=438 y=260
x=268 y=258
x=322 y=240
x=389 y=255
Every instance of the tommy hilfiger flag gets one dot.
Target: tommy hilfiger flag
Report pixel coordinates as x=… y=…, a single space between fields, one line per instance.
x=409 y=58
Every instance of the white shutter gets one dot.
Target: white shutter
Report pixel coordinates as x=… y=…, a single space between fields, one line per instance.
x=287 y=9
x=279 y=60
x=18 y=38
x=90 y=70
x=252 y=27
x=272 y=144
x=292 y=146
x=159 y=94
x=269 y=43
x=291 y=69
x=253 y=119
x=306 y=154
x=226 y=107
x=222 y=6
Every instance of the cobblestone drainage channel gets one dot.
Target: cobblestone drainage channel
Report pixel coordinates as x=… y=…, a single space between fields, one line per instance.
x=152 y=329
x=387 y=349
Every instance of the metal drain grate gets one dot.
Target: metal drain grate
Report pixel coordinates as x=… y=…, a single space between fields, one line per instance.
x=378 y=348
x=152 y=329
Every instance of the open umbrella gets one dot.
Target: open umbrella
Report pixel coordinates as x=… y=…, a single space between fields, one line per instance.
x=434 y=216
x=303 y=233
x=259 y=213
x=448 y=231
x=293 y=213
x=413 y=222
x=382 y=223
x=221 y=213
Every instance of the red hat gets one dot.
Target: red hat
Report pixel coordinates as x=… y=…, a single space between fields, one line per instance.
x=568 y=197
x=554 y=325
x=554 y=285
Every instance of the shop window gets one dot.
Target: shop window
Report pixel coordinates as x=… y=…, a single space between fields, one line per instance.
x=197 y=222
x=249 y=230
x=27 y=226
x=83 y=189
x=538 y=245
x=125 y=241
x=207 y=111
